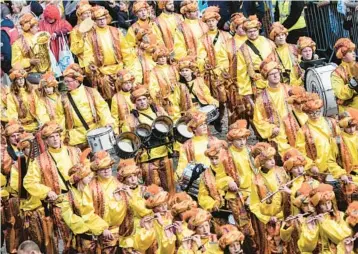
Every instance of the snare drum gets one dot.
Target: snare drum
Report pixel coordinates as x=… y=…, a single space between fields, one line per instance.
x=181 y=132
x=102 y=139
x=162 y=126
x=128 y=145
x=318 y=80
x=143 y=131
x=212 y=112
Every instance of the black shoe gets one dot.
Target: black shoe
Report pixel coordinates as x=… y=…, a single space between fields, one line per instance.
x=217 y=126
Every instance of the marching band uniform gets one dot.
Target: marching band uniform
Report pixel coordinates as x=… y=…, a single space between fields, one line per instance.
x=342 y=75
x=49 y=99
x=302 y=44
x=23 y=104
x=90 y=104
x=3 y=104
x=351 y=219
x=13 y=128
x=107 y=205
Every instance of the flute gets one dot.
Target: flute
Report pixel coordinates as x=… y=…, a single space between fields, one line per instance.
x=295 y=217
x=316 y=217
x=125 y=189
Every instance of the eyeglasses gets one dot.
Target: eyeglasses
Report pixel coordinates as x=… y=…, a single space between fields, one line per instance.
x=66 y=81
x=274 y=73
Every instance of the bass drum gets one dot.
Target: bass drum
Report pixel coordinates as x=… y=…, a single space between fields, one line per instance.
x=318 y=80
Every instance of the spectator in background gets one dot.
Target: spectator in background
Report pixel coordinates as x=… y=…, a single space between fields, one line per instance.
x=28 y=247
x=122 y=13
x=56 y=26
x=18 y=9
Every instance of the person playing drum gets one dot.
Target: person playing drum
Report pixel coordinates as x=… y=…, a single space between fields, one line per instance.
x=81 y=109
x=306 y=49
x=49 y=93
x=344 y=85
x=156 y=166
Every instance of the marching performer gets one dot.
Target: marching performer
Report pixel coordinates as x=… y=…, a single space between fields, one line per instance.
x=49 y=94
x=156 y=166
x=4 y=90
x=12 y=134
x=306 y=50
x=108 y=204
x=231 y=240
x=104 y=52
x=23 y=104
x=80 y=109
x=344 y=85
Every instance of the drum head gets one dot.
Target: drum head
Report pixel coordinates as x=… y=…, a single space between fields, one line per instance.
x=163 y=124
x=99 y=131
x=182 y=128
x=128 y=144
x=207 y=108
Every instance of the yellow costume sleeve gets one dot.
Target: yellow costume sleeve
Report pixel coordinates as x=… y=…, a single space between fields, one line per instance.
x=308 y=238
x=336 y=231
x=3 y=192
x=223 y=183
x=263 y=127
x=138 y=206
x=243 y=79
x=201 y=56
x=166 y=245
x=285 y=233
x=17 y=57
x=77 y=42
x=181 y=250
x=102 y=110
x=11 y=108
x=41 y=112
x=222 y=60
x=207 y=95
x=143 y=239
x=182 y=163
x=301 y=146
x=32 y=181
x=341 y=90
x=14 y=179
x=333 y=166
x=179 y=45
x=205 y=201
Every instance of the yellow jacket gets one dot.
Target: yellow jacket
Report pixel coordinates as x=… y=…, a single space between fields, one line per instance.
x=32 y=119
x=77 y=135
x=120 y=109
x=288 y=56
x=3 y=105
x=49 y=102
x=296 y=185
x=141 y=66
x=211 y=247
x=165 y=245
x=77 y=44
x=18 y=56
x=232 y=48
x=168 y=24
x=4 y=194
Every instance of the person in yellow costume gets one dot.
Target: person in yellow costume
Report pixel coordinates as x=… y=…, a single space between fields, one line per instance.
x=47 y=176
x=77 y=208
x=156 y=166
x=302 y=231
x=168 y=21
x=76 y=37
x=108 y=202
x=4 y=90
x=140 y=234
x=343 y=158
x=343 y=81
x=192 y=151
x=314 y=139
x=231 y=240
x=287 y=55
x=22 y=47
x=352 y=219
x=157 y=200
x=272 y=114
x=187 y=40
x=23 y=104
x=141 y=10
x=333 y=229
x=269 y=179
x=122 y=105
x=104 y=52
x=12 y=134
x=49 y=93
x=249 y=79
x=90 y=104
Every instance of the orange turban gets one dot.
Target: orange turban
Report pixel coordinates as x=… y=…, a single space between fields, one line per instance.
x=155 y=196
x=237 y=19
x=297 y=95
x=188 y=6
x=252 y=22
x=82 y=169
x=17 y=73
x=25 y=141
x=211 y=12
x=262 y=152
x=312 y=104
x=159 y=52
x=293 y=158
x=188 y=62
x=13 y=127
x=181 y=202
x=126 y=168
x=197 y=119
x=276 y=29
x=49 y=128
x=101 y=160
x=99 y=12
x=343 y=46
x=162 y=4
x=139 y=5
x=324 y=192
x=138 y=92
x=352 y=213
x=27 y=21
x=215 y=148
x=81 y=8
x=302 y=195
x=238 y=130
x=48 y=80
x=124 y=76
x=74 y=71
x=268 y=65
x=348 y=118
x=230 y=234
x=199 y=218
x=304 y=42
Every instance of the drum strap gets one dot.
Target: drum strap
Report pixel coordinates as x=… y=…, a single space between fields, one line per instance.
x=59 y=172
x=78 y=113
x=195 y=96
x=254 y=49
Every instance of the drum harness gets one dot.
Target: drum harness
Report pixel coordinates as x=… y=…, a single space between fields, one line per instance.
x=78 y=113
x=286 y=73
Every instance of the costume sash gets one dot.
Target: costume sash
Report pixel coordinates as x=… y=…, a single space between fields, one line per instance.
x=97 y=197
x=189 y=38
x=344 y=157
x=209 y=181
x=23 y=108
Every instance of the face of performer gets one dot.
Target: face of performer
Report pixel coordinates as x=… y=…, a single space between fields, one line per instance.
x=274 y=77
x=16 y=8
x=280 y=39
x=20 y=82
x=49 y=90
x=307 y=53
x=105 y=173
x=201 y=130
x=203 y=229
x=123 y=6
x=101 y=22
x=141 y=103
x=270 y=163
x=240 y=31
x=252 y=33
x=34 y=29
x=161 y=208
x=131 y=181
x=187 y=73
x=54 y=140
x=297 y=171
x=325 y=206
x=86 y=14
x=307 y=208
x=87 y=179
x=214 y=160
x=212 y=24
x=315 y=115
x=14 y=138
x=71 y=83
x=142 y=14
x=235 y=248
x=127 y=86
x=169 y=7
x=240 y=143
x=162 y=60
x=351 y=129
x=191 y=14
x=26 y=151
x=349 y=57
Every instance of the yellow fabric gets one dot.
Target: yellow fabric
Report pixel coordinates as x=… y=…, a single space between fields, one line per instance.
x=241 y=159
x=165 y=244
x=3 y=192
x=3 y=103
x=77 y=44
x=33 y=179
x=78 y=133
x=114 y=108
x=211 y=247
x=51 y=106
x=301 y=116
x=86 y=221
x=239 y=40
x=265 y=47
x=40 y=110
x=13 y=187
x=139 y=64
x=342 y=91
x=264 y=211
x=277 y=98
x=322 y=138
x=202 y=91
x=289 y=60
x=296 y=185
x=18 y=57
x=171 y=21
x=285 y=9
x=200 y=144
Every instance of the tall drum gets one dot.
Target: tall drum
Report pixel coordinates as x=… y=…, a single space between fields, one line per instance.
x=318 y=80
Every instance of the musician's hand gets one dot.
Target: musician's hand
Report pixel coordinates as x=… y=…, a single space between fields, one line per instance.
x=314 y=170
x=348 y=244
x=52 y=196
x=35 y=61
x=178 y=227
x=107 y=235
x=159 y=218
x=345 y=179
x=168 y=232
x=146 y=222
x=233 y=187
x=284 y=188
x=92 y=67
x=53 y=36
x=117 y=196
x=275 y=132
x=197 y=240
x=320 y=217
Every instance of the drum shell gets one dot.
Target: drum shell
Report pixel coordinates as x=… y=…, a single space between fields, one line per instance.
x=164 y=120
x=102 y=139
x=135 y=142
x=178 y=136
x=148 y=129
x=185 y=178
x=212 y=113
